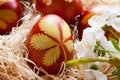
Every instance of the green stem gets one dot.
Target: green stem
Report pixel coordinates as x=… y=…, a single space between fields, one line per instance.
x=73 y=63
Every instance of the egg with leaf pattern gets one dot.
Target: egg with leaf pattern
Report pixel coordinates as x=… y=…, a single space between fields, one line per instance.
x=10 y=12
x=50 y=43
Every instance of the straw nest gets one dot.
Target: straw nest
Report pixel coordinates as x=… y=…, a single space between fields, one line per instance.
x=13 y=53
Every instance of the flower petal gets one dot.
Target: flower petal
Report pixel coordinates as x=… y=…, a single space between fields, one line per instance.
x=94 y=75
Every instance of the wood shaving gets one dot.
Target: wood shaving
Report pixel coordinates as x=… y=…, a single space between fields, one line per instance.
x=13 y=53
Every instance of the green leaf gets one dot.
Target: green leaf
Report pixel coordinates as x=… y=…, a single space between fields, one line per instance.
x=115 y=44
x=118 y=15
x=100 y=49
x=94 y=67
x=106 y=27
x=117 y=72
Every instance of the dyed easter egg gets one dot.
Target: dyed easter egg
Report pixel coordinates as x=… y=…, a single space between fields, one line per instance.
x=50 y=43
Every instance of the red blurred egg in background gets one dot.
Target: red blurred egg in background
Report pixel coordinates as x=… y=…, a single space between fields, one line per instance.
x=67 y=9
x=10 y=12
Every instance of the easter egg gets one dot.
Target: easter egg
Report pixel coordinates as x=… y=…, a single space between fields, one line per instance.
x=67 y=9
x=10 y=12
x=50 y=43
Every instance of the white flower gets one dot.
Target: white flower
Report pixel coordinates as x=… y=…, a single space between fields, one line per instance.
x=93 y=75
x=97 y=21
x=116 y=24
x=109 y=15
x=85 y=47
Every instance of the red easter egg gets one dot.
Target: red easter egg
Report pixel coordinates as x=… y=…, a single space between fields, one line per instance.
x=10 y=12
x=67 y=9
x=50 y=43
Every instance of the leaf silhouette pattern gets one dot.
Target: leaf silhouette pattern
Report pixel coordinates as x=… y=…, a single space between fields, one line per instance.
x=50 y=30
x=42 y=41
x=8 y=15
x=55 y=52
x=3 y=25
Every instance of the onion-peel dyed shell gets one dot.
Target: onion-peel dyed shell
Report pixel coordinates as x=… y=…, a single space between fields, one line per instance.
x=67 y=9
x=50 y=43
x=10 y=12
